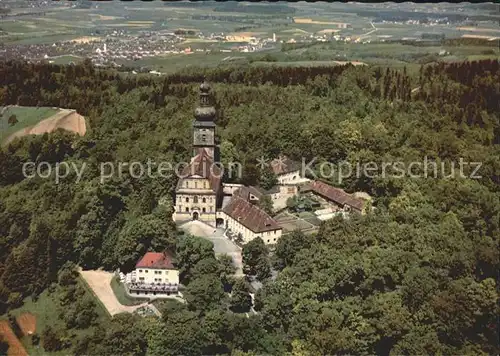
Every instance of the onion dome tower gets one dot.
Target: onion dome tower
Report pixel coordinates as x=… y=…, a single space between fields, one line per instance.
x=204 y=123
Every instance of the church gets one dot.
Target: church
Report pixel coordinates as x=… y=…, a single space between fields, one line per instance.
x=199 y=194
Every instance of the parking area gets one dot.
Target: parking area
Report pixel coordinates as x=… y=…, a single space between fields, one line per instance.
x=100 y=283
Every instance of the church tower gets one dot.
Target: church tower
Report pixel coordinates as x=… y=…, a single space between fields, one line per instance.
x=204 y=125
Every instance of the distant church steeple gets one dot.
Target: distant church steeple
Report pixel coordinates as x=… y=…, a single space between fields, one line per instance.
x=204 y=125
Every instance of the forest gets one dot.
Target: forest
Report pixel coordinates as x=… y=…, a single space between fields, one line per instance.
x=418 y=275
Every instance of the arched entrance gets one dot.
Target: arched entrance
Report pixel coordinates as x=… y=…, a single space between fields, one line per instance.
x=195 y=215
x=219 y=222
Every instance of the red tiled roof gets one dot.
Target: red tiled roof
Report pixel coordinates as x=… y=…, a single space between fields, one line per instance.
x=331 y=193
x=202 y=165
x=155 y=260
x=250 y=215
x=244 y=193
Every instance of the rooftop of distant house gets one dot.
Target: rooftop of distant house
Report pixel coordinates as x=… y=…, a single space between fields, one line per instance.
x=156 y=260
x=334 y=194
x=250 y=215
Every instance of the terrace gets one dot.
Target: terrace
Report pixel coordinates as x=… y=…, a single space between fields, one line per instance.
x=152 y=288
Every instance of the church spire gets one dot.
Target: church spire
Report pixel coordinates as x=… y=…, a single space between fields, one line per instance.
x=205 y=111
x=204 y=125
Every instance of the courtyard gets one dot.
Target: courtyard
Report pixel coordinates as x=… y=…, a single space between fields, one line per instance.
x=222 y=245
x=306 y=222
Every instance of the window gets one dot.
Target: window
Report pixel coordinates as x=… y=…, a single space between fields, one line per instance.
x=187 y=209
x=195 y=185
x=268 y=241
x=275 y=232
x=187 y=184
x=210 y=199
x=204 y=210
x=141 y=278
x=204 y=200
x=195 y=200
x=210 y=209
x=187 y=200
x=203 y=138
x=140 y=270
x=146 y=271
x=180 y=208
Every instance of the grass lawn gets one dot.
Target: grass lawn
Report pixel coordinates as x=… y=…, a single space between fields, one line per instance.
x=26 y=116
x=46 y=310
x=160 y=303
x=297 y=64
x=306 y=214
x=43 y=38
x=66 y=59
x=313 y=220
x=174 y=62
x=121 y=294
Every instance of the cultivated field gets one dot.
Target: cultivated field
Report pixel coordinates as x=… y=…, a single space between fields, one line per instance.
x=26 y=117
x=16 y=348
x=478 y=29
x=315 y=22
x=65 y=119
x=27 y=323
x=82 y=25
x=307 y=63
x=86 y=39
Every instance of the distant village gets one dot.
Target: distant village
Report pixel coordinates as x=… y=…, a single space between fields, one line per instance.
x=121 y=45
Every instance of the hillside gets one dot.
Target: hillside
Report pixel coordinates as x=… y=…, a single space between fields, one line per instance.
x=37 y=121
x=416 y=276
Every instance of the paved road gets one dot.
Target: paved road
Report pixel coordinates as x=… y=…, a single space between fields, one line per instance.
x=222 y=245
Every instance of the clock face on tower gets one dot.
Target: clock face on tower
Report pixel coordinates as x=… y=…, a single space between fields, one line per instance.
x=203 y=137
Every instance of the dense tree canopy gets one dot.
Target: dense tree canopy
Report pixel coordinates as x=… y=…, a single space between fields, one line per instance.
x=418 y=275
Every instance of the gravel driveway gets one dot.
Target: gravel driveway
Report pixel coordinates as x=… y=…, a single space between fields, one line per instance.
x=100 y=282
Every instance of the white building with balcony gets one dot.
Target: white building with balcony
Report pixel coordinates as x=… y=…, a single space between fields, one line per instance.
x=154 y=275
